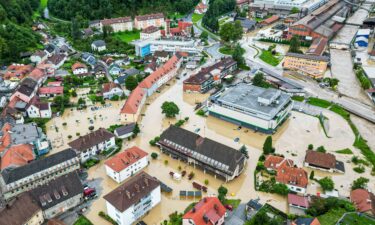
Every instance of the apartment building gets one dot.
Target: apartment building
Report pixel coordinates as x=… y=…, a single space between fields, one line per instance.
x=120 y=24
x=131 y=110
x=310 y=65
x=144 y=21
x=126 y=164
x=133 y=199
x=21 y=179
x=212 y=157
x=253 y=107
x=151 y=32
x=93 y=143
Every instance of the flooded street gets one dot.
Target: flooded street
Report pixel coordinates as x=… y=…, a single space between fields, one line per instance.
x=291 y=140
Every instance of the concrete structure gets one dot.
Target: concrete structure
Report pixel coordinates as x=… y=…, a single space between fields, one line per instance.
x=310 y=65
x=250 y=106
x=212 y=157
x=208 y=211
x=133 y=199
x=149 y=46
x=93 y=143
x=21 y=179
x=126 y=164
x=144 y=21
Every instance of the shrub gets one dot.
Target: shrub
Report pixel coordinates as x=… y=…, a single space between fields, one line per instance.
x=166 y=162
x=321 y=149
x=310 y=147
x=179 y=168
x=327 y=184
x=359 y=169
x=360 y=183
x=78 y=134
x=91 y=127
x=106 y=217
x=154 y=155
x=64 y=124
x=201 y=112
x=69 y=136
x=206 y=182
x=312 y=174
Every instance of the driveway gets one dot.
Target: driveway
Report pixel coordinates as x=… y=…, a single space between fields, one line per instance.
x=236 y=217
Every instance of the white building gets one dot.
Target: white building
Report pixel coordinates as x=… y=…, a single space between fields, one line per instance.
x=98 y=45
x=39 y=110
x=126 y=164
x=250 y=106
x=151 y=32
x=93 y=143
x=79 y=68
x=38 y=56
x=118 y=24
x=112 y=89
x=149 y=46
x=141 y=22
x=133 y=199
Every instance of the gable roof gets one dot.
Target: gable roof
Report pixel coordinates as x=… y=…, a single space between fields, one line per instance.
x=306 y=221
x=107 y=87
x=51 y=90
x=78 y=65
x=321 y=159
x=17 y=155
x=274 y=162
x=150 y=29
x=298 y=200
x=133 y=102
x=132 y=191
x=149 y=17
x=363 y=200
x=111 y=21
x=125 y=129
x=292 y=176
x=209 y=210
x=87 y=141
x=125 y=159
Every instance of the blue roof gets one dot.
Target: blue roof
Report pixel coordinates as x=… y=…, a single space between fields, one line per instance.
x=304 y=221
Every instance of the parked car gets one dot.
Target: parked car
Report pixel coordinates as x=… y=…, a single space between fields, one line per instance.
x=229 y=207
x=88 y=191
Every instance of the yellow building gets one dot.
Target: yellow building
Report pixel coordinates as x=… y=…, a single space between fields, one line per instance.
x=312 y=65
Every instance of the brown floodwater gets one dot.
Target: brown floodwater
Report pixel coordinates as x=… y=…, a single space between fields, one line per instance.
x=291 y=140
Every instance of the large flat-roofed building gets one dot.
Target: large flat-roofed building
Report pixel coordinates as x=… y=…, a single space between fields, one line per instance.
x=212 y=157
x=149 y=46
x=250 y=106
x=311 y=65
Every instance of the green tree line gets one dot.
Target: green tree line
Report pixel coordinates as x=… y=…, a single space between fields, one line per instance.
x=217 y=8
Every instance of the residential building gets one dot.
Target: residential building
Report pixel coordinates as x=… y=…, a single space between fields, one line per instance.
x=56 y=60
x=247 y=25
x=201 y=8
x=109 y=90
x=273 y=162
x=208 y=211
x=183 y=29
x=243 y=4
x=120 y=24
x=295 y=178
x=115 y=70
x=50 y=91
x=38 y=56
x=149 y=46
x=363 y=200
x=310 y=65
x=24 y=178
x=252 y=208
x=16 y=156
x=59 y=194
x=133 y=105
x=38 y=109
x=93 y=143
x=212 y=157
x=26 y=90
x=151 y=32
x=133 y=199
x=161 y=56
x=126 y=164
x=39 y=75
x=144 y=21
x=20 y=211
x=79 y=69
x=125 y=131
x=17 y=72
x=250 y=106
x=98 y=45
x=306 y=221
x=298 y=204
x=323 y=161
x=207 y=77
x=89 y=58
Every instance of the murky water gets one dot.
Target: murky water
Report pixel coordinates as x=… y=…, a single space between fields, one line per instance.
x=291 y=139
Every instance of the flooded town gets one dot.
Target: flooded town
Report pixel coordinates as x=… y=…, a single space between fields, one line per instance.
x=187 y=112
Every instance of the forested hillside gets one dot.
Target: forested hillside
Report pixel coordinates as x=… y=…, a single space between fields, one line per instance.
x=16 y=35
x=216 y=9
x=99 y=9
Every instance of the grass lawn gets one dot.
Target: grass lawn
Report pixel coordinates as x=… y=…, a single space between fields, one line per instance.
x=298 y=98
x=226 y=50
x=319 y=102
x=176 y=15
x=82 y=220
x=267 y=57
x=345 y=151
x=128 y=36
x=354 y=218
x=196 y=17
x=331 y=217
x=233 y=202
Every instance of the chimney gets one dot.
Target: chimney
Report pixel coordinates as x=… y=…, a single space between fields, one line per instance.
x=167 y=27
x=146 y=181
x=193 y=210
x=137 y=187
x=128 y=194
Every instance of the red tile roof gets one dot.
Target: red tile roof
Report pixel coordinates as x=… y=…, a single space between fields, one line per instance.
x=17 y=70
x=37 y=74
x=325 y=160
x=78 y=65
x=54 y=83
x=298 y=200
x=363 y=200
x=125 y=159
x=109 y=86
x=17 y=155
x=134 y=100
x=107 y=22
x=150 y=29
x=51 y=90
x=271 y=19
x=273 y=162
x=209 y=207
x=150 y=17
x=292 y=176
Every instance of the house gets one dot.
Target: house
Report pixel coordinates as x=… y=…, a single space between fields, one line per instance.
x=363 y=200
x=23 y=210
x=318 y=46
x=132 y=72
x=26 y=90
x=88 y=58
x=212 y=157
x=93 y=143
x=144 y=21
x=243 y=4
x=125 y=131
x=298 y=204
x=208 y=211
x=201 y=8
x=98 y=45
x=295 y=178
x=16 y=156
x=311 y=65
x=109 y=90
x=306 y=221
x=56 y=60
x=115 y=70
x=252 y=207
x=323 y=161
x=38 y=109
x=50 y=91
x=161 y=56
x=38 y=56
x=126 y=164
x=183 y=29
x=133 y=105
x=39 y=75
x=119 y=24
x=59 y=195
x=17 y=72
x=24 y=178
x=273 y=162
x=152 y=32
x=270 y=20
x=247 y=25
x=79 y=69
x=133 y=199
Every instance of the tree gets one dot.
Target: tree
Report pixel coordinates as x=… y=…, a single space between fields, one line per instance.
x=231 y=32
x=294 y=10
x=267 y=146
x=260 y=81
x=107 y=30
x=321 y=149
x=170 y=109
x=136 y=130
x=81 y=101
x=244 y=151
x=131 y=83
x=327 y=184
x=360 y=183
x=312 y=174
x=75 y=30
x=222 y=192
x=295 y=45
x=204 y=36
x=237 y=55
x=280 y=189
x=310 y=147
x=192 y=32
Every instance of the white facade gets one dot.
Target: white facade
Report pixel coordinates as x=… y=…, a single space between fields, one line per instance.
x=120 y=27
x=114 y=91
x=153 y=35
x=297 y=189
x=35 y=112
x=136 y=211
x=80 y=70
x=128 y=171
x=94 y=150
x=98 y=48
x=37 y=58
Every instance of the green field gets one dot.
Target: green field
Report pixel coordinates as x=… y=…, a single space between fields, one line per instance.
x=331 y=217
x=354 y=218
x=196 y=17
x=128 y=36
x=267 y=57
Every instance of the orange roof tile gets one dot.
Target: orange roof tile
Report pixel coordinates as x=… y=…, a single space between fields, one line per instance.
x=78 y=65
x=17 y=155
x=363 y=200
x=292 y=175
x=210 y=208
x=134 y=100
x=273 y=162
x=125 y=159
